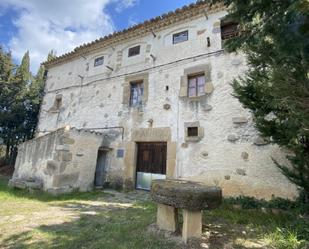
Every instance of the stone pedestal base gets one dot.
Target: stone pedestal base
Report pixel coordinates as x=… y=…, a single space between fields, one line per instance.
x=167 y=217
x=192 y=224
x=191 y=197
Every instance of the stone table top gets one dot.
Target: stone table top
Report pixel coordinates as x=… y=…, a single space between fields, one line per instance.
x=186 y=194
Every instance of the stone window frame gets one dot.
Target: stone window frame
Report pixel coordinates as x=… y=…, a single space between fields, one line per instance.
x=127 y=88
x=185 y=32
x=98 y=61
x=57 y=103
x=200 y=131
x=199 y=69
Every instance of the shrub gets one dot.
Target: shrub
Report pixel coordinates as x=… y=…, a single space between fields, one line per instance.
x=300 y=205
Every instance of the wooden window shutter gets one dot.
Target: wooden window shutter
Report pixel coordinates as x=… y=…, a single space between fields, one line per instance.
x=183 y=86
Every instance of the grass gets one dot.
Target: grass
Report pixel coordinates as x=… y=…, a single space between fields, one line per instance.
x=100 y=220
x=94 y=227
x=284 y=231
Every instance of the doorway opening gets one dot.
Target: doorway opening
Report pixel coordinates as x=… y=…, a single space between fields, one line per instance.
x=151 y=163
x=100 y=171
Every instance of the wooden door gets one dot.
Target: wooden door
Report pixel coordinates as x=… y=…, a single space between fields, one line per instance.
x=151 y=158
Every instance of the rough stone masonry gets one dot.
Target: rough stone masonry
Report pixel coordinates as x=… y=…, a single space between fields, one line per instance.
x=166 y=80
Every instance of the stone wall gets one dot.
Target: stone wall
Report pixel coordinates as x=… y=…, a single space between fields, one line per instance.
x=228 y=152
x=63 y=160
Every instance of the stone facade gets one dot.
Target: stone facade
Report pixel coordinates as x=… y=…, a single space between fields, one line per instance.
x=227 y=151
x=63 y=160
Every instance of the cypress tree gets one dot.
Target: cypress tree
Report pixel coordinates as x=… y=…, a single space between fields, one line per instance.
x=274 y=36
x=21 y=94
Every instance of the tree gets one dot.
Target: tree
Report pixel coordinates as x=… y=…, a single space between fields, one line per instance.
x=274 y=35
x=21 y=94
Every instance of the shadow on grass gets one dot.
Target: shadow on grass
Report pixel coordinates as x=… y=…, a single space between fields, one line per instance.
x=96 y=228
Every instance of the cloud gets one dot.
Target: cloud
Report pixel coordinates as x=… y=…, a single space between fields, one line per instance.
x=124 y=4
x=57 y=24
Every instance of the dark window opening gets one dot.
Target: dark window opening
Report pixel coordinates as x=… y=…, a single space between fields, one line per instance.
x=180 y=37
x=45 y=74
x=136 y=93
x=192 y=131
x=134 y=51
x=58 y=103
x=229 y=30
x=196 y=85
x=99 y=61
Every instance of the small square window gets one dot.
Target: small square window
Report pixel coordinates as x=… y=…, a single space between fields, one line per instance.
x=99 y=61
x=180 y=37
x=136 y=94
x=192 y=131
x=134 y=51
x=196 y=85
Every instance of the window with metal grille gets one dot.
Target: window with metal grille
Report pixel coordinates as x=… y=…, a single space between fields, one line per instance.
x=99 y=61
x=229 y=30
x=180 y=37
x=136 y=94
x=134 y=51
x=196 y=85
x=192 y=131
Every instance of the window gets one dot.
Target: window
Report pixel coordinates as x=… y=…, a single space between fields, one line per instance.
x=196 y=85
x=180 y=37
x=136 y=94
x=99 y=61
x=134 y=51
x=192 y=131
x=57 y=104
x=229 y=30
x=58 y=101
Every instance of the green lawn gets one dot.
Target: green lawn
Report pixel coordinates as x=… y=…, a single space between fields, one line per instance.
x=123 y=220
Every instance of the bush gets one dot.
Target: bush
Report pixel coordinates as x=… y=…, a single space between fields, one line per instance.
x=246 y=202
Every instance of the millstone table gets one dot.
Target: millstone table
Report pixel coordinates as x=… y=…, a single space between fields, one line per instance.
x=192 y=197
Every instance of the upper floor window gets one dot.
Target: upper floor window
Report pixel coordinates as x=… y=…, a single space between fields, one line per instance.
x=136 y=93
x=229 y=30
x=134 y=51
x=196 y=85
x=180 y=37
x=98 y=61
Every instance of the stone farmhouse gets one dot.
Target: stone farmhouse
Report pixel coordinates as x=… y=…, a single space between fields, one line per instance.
x=153 y=101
